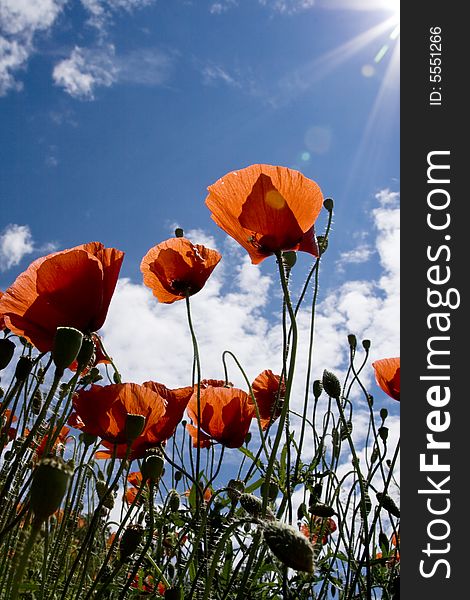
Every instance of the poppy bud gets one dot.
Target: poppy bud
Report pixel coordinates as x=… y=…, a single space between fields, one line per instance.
x=130 y=541
x=235 y=487
x=272 y=490
x=134 y=426
x=366 y=344
x=331 y=384
x=36 y=402
x=173 y=500
x=317 y=388
x=179 y=233
x=50 y=481
x=7 y=349
x=86 y=354
x=388 y=504
x=178 y=476
x=106 y=498
x=383 y=413
x=383 y=432
x=152 y=467
x=87 y=438
x=302 y=511
x=23 y=368
x=352 y=341
x=289 y=258
x=289 y=545
x=254 y=506
x=321 y=510
x=67 y=343
x=328 y=204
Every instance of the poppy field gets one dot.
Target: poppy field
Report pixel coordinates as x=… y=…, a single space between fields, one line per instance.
x=113 y=489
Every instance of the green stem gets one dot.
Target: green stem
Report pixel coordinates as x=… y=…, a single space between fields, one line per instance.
x=18 y=579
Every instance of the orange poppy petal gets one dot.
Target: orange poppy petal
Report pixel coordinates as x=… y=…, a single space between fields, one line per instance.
x=387 y=375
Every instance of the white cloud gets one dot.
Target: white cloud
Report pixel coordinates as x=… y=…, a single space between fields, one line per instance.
x=212 y=73
x=20 y=23
x=16 y=242
x=357 y=255
x=85 y=70
x=288 y=6
x=217 y=8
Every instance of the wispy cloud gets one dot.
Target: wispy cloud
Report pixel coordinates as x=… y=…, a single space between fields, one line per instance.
x=16 y=242
x=288 y=6
x=20 y=25
x=85 y=70
x=217 y=8
x=212 y=73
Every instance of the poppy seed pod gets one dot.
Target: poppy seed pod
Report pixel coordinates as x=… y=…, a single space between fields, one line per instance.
x=235 y=487
x=328 y=204
x=290 y=546
x=86 y=354
x=50 y=481
x=331 y=384
x=317 y=388
x=152 y=467
x=134 y=426
x=7 y=349
x=321 y=510
x=289 y=258
x=67 y=343
x=173 y=500
x=23 y=368
x=130 y=541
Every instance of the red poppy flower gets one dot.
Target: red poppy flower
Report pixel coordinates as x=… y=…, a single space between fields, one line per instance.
x=318 y=526
x=387 y=375
x=269 y=393
x=102 y=411
x=2 y=318
x=177 y=268
x=267 y=209
x=71 y=288
x=226 y=414
x=135 y=479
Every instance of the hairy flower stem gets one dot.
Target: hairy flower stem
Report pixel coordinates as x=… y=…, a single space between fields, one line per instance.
x=18 y=579
x=289 y=380
x=93 y=523
x=198 y=404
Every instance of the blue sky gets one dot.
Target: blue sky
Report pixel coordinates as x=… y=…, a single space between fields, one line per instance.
x=115 y=116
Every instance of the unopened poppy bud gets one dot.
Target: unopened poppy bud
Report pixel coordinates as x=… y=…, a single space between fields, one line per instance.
x=317 y=388
x=36 y=402
x=179 y=233
x=106 y=498
x=86 y=354
x=50 y=481
x=289 y=546
x=388 y=504
x=178 y=476
x=87 y=439
x=173 y=500
x=23 y=368
x=383 y=432
x=302 y=511
x=130 y=541
x=383 y=413
x=67 y=343
x=331 y=384
x=134 y=426
x=321 y=510
x=247 y=438
x=254 y=506
x=152 y=467
x=235 y=487
x=352 y=341
x=328 y=204
x=366 y=344
x=271 y=490
x=7 y=349
x=289 y=258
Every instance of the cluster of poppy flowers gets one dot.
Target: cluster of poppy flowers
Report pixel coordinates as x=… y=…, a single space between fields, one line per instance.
x=267 y=209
